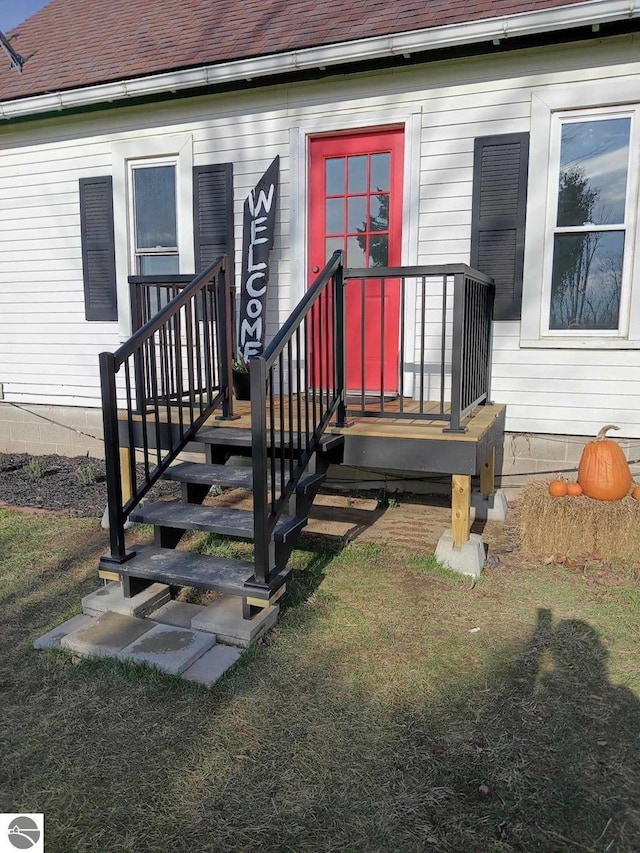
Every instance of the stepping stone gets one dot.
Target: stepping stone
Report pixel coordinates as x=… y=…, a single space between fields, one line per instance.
x=106 y=636
x=224 y=619
x=212 y=665
x=111 y=598
x=177 y=613
x=168 y=648
x=51 y=640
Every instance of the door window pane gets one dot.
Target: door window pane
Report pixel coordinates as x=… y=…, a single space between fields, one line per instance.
x=331 y=245
x=379 y=212
x=594 y=159
x=357 y=171
x=380 y=172
x=378 y=250
x=335 y=215
x=357 y=218
x=586 y=280
x=154 y=195
x=334 y=176
x=356 y=255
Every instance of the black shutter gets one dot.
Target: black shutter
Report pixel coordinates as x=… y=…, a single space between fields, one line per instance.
x=213 y=214
x=98 y=248
x=498 y=216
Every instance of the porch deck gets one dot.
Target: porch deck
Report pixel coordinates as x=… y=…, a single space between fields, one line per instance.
x=417 y=445
x=406 y=444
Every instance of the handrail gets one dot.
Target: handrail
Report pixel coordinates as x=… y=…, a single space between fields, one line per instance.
x=178 y=365
x=297 y=385
x=426 y=270
x=169 y=309
x=149 y=293
x=448 y=347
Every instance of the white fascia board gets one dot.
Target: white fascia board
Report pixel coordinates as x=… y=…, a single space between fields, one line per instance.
x=418 y=41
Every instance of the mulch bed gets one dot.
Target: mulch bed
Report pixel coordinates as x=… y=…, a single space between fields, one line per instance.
x=75 y=486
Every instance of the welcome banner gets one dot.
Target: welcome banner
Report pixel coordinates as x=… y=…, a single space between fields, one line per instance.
x=257 y=240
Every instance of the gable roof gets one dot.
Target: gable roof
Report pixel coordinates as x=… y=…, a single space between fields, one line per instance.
x=72 y=44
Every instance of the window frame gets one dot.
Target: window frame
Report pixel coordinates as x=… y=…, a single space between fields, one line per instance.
x=178 y=149
x=164 y=251
x=551 y=108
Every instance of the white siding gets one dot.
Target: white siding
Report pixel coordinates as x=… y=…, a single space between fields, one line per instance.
x=48 y=352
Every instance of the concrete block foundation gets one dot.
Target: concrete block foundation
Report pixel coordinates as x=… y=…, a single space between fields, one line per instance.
x=110 y=598
x=467 y=560
x=224 y=619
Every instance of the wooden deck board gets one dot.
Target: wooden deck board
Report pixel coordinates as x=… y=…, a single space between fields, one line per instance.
x=427 y=429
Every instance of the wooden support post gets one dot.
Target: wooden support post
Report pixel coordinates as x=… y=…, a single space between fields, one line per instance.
x=460 y=509
x=487 y=475
x=125 y=474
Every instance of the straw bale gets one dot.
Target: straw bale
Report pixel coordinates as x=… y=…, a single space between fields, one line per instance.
x=578 y=526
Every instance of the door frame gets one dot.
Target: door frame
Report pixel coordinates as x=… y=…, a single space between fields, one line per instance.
x=332 y=124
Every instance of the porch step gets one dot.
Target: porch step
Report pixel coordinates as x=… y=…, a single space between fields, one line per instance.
x=230 y=437
x=185 y=568
x=231 y=476
x=212 y=519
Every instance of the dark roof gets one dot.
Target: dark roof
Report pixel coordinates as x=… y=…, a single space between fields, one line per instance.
x=75 y=43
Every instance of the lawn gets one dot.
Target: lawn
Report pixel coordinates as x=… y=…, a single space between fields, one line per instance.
x=395 y=708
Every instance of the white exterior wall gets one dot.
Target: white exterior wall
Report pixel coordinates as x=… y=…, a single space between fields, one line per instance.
x=48 y=352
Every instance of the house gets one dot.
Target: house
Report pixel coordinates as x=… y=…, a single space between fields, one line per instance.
x=503 y=136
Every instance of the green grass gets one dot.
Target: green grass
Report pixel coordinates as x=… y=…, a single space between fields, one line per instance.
x=376 y=717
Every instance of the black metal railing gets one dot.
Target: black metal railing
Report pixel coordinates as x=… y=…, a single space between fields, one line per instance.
x=148 y=294
x=440 y=368
x=181 y=359
x=297 y=386
x=472 y=340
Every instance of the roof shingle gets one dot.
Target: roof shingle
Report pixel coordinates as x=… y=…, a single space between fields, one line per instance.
x=74 y=43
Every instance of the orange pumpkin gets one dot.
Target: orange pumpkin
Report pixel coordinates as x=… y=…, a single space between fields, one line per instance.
x=603 y=472
x=636 y=493
x=574 y=489
x=558 y=488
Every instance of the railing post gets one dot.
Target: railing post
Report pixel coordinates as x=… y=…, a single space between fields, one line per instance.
x=225 y=345
x=135 y=302
x=262 y=536
x=457 y=355
x=491 y=294
x=339 y=293
x=119 y=552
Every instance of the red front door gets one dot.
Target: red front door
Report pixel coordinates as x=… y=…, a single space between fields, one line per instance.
x=355 y=204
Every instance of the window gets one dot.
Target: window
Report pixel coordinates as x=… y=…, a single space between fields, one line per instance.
x=142 y=240
x=582 y=261
x=154 y=219
x=592 y=210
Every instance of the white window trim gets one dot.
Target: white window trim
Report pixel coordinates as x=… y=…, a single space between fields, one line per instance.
x=367 y=122
x=545 y=104
x=179 y=149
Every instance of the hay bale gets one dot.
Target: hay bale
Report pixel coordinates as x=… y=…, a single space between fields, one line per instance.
x=578 y=526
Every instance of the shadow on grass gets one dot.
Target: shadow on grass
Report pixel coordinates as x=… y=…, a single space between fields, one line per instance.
x=540 y=754
x=293 y=750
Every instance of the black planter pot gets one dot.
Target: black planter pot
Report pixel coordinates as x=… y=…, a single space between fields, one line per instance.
x=241 y=385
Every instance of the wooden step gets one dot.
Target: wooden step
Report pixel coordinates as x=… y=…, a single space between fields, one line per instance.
x=231 y=476
x=227 y=476
x=212 y=519
x=230 y=437
x=184 y=568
